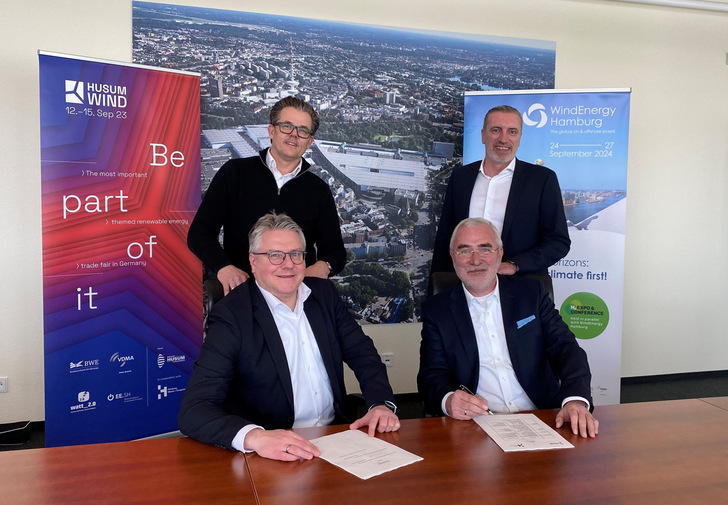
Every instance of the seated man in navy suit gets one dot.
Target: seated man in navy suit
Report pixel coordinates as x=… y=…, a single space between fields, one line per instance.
x=273 y=357
x=497 y=343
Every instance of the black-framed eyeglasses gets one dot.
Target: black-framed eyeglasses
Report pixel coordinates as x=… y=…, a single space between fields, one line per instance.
x=288 y=128
x=278 y=257
x=482 y=251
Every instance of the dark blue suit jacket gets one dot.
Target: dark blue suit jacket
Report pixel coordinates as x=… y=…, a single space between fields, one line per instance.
x=535 y=234
x=548 y=362
x=241 y=376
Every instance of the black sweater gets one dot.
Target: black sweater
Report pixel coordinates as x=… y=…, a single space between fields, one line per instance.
x=241 y=192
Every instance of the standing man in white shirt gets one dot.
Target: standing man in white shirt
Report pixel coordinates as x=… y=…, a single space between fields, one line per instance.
x=273 y=357
x=522 y=200
x=497 y=343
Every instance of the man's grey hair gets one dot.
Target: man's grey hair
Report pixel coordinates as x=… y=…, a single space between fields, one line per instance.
x=502 y=108
x=298 y=104
x=271 y=222
x=472 y=222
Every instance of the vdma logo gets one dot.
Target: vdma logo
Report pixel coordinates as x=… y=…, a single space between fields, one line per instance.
x=541 y=121
x=74 y=92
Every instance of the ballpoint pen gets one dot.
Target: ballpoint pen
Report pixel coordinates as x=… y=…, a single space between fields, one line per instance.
x=465 y=388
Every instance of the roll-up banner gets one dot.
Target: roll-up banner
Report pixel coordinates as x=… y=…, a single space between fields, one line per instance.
x=120 y=170
x=582 y=135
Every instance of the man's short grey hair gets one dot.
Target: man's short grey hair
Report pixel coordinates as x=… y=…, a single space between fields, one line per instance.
x=298 y=104
x=271 y=222
x=502 y=108
x=472 y=222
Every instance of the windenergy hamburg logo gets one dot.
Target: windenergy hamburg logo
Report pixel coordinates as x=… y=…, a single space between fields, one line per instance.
x=532 y=111
x=74 y=92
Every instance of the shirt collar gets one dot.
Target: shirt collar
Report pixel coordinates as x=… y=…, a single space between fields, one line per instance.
x=510 y=168
x=483 y=300
x=274 y=303
x=273 y=167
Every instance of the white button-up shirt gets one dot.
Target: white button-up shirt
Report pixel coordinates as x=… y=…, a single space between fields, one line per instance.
x=490 y=195
x=313 y=399
x=279 y=177
x=497 y=381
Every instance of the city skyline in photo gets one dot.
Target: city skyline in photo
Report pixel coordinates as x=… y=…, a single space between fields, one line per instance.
x=391 y=108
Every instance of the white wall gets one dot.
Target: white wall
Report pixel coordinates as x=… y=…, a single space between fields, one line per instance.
x=673 y=59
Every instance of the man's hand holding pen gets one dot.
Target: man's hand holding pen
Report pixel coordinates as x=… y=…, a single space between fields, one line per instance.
x=464 y=405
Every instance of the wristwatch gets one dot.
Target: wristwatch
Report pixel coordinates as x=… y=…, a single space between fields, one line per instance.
x=329 y=265
x=514 y=264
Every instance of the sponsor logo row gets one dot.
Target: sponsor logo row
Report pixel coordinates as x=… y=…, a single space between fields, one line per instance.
x=86 y=401
x=121 y=360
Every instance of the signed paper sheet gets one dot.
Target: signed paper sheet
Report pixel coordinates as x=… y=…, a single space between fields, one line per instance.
x=362 y=455
x=521 y=432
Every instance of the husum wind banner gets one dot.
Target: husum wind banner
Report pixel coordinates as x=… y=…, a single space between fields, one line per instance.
x=582 y=135
x=120 y=171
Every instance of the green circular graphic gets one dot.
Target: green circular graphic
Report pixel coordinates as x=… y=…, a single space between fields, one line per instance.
x=586 y=314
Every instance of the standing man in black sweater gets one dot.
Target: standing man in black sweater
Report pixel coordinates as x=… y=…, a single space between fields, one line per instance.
x=278 y=179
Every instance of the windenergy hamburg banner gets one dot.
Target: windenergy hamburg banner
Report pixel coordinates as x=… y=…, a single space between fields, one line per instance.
x=120 y=170
x=582 y=135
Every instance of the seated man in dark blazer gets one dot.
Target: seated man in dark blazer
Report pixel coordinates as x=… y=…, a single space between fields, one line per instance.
x=273 y=357
x=497 y=343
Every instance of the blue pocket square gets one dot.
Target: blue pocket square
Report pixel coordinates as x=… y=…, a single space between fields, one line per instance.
x=523 y=322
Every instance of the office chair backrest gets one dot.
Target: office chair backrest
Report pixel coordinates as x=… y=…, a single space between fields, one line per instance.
x=441 y=281
x=212 y=293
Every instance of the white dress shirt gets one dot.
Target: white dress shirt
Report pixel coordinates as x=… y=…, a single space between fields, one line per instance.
x=490 y=195
x=279 y=177
x=497 y=381
x=313 y=399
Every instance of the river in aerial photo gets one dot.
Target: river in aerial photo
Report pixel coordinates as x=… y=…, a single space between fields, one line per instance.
x=588 y=206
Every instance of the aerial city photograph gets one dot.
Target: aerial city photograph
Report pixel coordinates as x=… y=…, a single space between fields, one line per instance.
x=390 y=101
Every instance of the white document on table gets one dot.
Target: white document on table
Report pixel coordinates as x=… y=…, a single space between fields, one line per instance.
x=362 y=455
x=521 y=432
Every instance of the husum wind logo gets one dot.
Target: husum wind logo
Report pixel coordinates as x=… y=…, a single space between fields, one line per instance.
x=74 y=92
x=94 y=93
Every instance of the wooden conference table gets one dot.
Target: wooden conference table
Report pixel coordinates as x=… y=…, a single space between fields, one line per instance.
x=168 y=470
x=673 y=452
